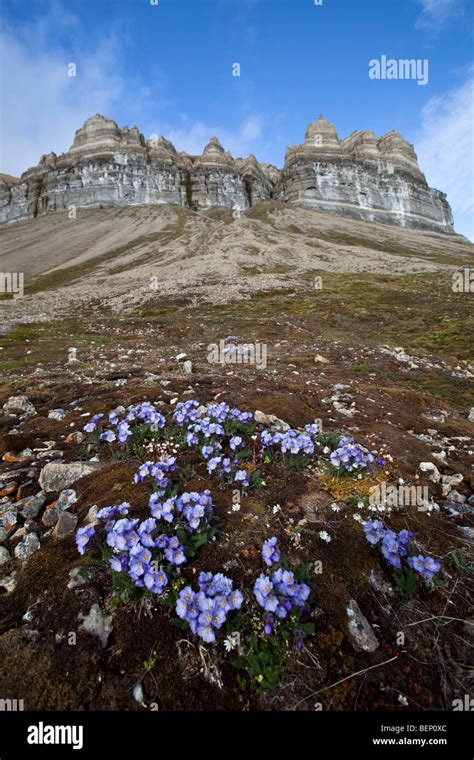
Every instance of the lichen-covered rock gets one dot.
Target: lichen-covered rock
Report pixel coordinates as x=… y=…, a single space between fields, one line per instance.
x=28 y=546
x=360 y=631
x=19 y=404
x=57 y=476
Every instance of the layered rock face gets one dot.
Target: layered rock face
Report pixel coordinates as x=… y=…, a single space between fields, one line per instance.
x=361 y=176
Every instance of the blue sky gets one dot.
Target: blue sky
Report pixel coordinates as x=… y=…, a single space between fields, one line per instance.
x=167 y=68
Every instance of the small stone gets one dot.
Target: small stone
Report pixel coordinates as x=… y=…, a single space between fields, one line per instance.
x=378 y=583
x=449 y=481
x=8 y=521
x=4 y=555
x=97 y=624
x=276 y=425
x=91 y=517
x=28 y=546
x=32 y=505
x=8 y=582
x=188 y=367
x=57 y=476
x=434 y=474
x=50 y=515
x=66 y=525
x=456 y=497
x=138 y=693
x=360 y=631
x=57 y=414
x=66 y=499
x=19 y=405
x=181 y=357
x=435 y=415
x=76 y=578
x=76 y=437
x=467 y=531
x=321 y=359
x=470 y=416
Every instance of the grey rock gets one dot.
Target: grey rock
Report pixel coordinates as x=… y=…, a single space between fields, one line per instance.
x=275 y=424
x=57 y=414
x=456 y=498
x=4 y=555
x=57 y=476
x=467 y=531
x=8 y=521
x=138 y=693
x=76 y=579
x=360 y=631
x=377 y=179
x=28 y=546
x=19 y=405
x=379 y=584
x=32 y=505
x=433 y=472
x=96 y=623
x=188 y=367
x=470 y=416
x=65 y=525
x=8 y=582
x=182 y=357
x=66 y=499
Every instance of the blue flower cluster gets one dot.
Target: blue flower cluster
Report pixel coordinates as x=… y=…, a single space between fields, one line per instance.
x=131 y=541
x=122 y=420
x=157 y=470
x=208 y=420
x=195 y=508
x=280 y=593
x=396 y=546
x=351 y=456
x=206 y=610
x=290 y=442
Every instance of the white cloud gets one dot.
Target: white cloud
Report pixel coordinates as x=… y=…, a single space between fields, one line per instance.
x=42 y=107
x=445 y=149
x=436 y=14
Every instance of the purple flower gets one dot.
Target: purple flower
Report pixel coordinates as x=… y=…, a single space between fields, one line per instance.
x=270 y=552
x=242 y=477
x=83 y=538
x=374 y=531
x=427 y=567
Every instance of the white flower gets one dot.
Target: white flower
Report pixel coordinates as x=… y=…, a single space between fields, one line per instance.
x=324 y=535
x=335 y=508
x=403 y=700
x=276 y=509
x=360 y=505
x=358 y=517
x=326 y=450
x=236 y=507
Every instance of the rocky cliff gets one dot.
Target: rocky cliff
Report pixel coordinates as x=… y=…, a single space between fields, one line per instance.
x=360 y=176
